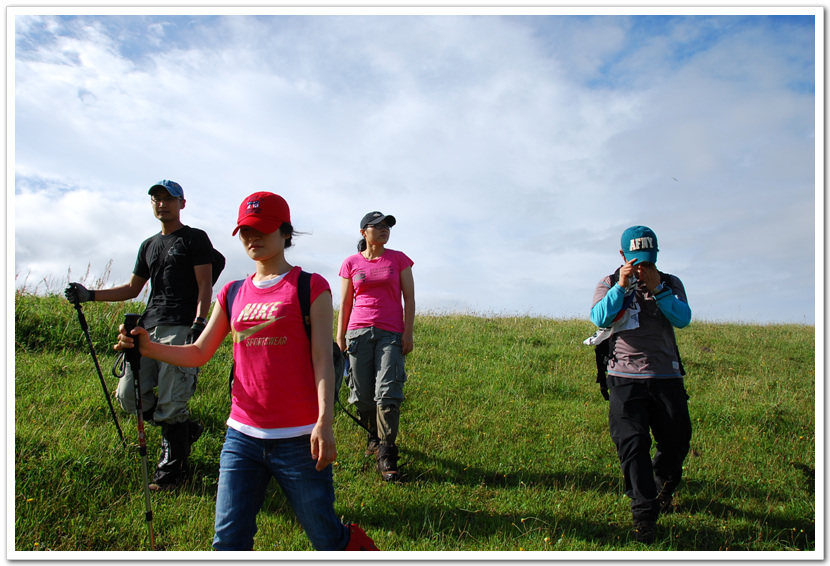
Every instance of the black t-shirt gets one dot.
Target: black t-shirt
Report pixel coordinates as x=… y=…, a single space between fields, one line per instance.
x=174 y=292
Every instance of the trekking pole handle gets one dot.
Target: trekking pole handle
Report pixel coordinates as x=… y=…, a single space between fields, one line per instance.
x=130 y=322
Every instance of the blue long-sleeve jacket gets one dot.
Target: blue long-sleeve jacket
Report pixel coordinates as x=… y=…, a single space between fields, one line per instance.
x=643 y=342
x=677 y=311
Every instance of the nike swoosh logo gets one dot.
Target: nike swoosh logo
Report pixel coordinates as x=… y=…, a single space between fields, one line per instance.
x=239 y=336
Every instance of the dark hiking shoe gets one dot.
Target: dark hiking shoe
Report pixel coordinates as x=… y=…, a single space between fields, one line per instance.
x=164 y=480
x=170 y=473
x=359 y=540
x=388 y=462
x=644 y=531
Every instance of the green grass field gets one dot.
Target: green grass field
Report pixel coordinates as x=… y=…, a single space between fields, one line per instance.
x=504 y=444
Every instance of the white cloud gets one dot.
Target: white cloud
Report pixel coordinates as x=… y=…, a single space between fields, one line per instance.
x=513 y=151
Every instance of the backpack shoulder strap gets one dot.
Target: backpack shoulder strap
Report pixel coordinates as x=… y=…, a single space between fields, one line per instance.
x=304 y=294
x=665 y=279
x=233 y=290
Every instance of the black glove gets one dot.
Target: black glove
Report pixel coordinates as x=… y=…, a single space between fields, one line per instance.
x=194 y=332
x=77 y=293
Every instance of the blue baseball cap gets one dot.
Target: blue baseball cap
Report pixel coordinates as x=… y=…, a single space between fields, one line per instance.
x=640 y=243
x=171 y=187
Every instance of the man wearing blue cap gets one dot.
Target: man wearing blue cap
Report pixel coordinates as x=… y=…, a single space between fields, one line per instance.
x=178 y=263
x=638 y=307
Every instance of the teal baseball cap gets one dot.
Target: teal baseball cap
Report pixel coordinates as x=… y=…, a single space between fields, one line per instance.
x=640 y=243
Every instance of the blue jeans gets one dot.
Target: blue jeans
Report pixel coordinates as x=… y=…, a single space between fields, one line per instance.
x=245 y=468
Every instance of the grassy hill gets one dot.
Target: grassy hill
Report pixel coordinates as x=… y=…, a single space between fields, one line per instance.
x=504 y=444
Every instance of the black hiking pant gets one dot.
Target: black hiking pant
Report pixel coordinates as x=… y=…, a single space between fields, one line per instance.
x=639 y=408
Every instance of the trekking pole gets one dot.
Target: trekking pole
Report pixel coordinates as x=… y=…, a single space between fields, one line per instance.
x=354 y=418
x=133 y=357
x=342 y=407
x=85 y=328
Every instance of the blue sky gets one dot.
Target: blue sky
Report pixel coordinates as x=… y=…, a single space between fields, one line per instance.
x=513 y=149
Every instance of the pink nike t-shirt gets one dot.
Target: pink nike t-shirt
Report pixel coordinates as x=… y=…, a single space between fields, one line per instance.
x=273 y=374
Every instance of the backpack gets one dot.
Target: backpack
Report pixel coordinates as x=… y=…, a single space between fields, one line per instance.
x=304 y=295
x=217 y=265
x=603 y=350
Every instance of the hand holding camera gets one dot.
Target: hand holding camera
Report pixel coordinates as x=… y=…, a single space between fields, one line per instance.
x=628 y=273
x=648 y=274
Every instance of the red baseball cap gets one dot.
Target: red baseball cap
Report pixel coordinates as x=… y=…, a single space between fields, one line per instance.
x=263 y=211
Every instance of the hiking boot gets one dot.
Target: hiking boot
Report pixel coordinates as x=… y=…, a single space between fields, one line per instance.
x=165 y=481
x=644 y=531
x=372 y=444
x=166 y=477
x=172 y=466
x=388 y=462
x=359 y=540
x=175 y=447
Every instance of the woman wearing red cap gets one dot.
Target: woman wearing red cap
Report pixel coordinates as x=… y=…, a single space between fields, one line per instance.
x=376 y=331
x=282 y=403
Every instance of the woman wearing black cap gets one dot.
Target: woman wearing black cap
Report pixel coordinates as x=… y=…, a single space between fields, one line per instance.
x=375 y=329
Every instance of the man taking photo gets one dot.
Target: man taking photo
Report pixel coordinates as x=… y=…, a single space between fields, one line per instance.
x=640 y=307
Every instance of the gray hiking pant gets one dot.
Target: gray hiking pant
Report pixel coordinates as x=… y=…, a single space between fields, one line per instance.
x=377 y=377
x=176 y=385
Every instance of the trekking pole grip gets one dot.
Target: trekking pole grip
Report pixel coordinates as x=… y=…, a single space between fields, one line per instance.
x=130 y=322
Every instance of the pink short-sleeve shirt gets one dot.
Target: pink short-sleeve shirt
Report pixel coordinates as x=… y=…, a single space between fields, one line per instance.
x=377 y=290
